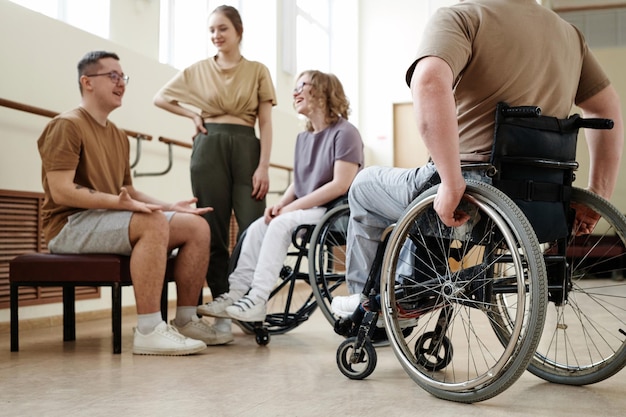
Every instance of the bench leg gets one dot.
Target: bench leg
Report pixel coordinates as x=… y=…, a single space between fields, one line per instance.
x=164 y=301
x=15 y=335
x=69 y=313
x=116 y=317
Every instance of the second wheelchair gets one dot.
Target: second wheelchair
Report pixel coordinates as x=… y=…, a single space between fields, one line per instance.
x=313 y=272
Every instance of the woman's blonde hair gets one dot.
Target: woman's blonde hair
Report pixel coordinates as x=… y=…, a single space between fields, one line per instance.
x=327 y=93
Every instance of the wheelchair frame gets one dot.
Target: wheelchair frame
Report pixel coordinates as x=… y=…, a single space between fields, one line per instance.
x=316 y=259
x=490 y=287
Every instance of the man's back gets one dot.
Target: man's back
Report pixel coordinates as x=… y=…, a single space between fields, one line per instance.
x=513 y=51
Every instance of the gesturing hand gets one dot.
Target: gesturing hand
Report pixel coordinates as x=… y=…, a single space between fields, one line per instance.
x=187 y=206
x=128 y=203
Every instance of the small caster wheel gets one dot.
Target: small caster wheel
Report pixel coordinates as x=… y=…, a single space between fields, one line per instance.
x=262 y=335
x=352 y=366
x=433 y=356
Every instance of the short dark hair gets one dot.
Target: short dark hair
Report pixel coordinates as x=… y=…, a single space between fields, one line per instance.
x=90 y=62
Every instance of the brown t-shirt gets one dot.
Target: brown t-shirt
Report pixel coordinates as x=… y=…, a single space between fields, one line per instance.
x=518 y=52
x=236 y=91
x=98 y=154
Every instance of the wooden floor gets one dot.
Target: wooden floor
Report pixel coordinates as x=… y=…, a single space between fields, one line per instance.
x=295 y=375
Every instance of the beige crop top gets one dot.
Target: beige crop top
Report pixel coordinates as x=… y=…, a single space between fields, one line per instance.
x=236 y=91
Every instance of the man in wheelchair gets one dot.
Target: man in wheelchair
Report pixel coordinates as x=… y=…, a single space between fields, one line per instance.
x=473 y=56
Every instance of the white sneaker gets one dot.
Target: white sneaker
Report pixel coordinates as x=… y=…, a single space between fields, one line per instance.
x=165 y=340
x=344 y=306
x=247 y=310
x=217 y=307
x=201 y=330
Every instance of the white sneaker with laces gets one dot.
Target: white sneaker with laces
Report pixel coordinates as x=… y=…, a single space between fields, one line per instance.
x=245 y=309
x=217 y=307
x=165 y=340
x=344 y=306
x=201 y=330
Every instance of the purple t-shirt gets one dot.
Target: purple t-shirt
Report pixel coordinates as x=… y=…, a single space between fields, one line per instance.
x=316 y=153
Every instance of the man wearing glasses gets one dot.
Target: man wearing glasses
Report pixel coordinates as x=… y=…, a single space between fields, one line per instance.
x=91 y=206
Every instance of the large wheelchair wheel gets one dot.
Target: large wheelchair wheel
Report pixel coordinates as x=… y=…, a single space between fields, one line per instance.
x=584 y=338
x=291 y=301
x=327 y=259
x=444 y=282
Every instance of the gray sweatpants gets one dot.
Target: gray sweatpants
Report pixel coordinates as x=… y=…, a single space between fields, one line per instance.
x=377 y=198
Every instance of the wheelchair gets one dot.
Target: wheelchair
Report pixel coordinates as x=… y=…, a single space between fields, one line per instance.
x=312 y=273
x=467 y=310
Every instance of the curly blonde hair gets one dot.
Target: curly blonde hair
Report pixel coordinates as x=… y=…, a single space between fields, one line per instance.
x=327 y=93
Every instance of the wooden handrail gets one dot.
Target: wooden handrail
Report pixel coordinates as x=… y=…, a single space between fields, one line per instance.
x=26 y=108
x=49 y=113
x=188 y=145
x=131 y=133
x=175 y=142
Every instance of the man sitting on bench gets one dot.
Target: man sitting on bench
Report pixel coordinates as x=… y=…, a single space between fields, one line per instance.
x=91 y=206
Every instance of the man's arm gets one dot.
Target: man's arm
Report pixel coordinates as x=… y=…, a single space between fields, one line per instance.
x=605 y=146
x=435 y=112
x=185 y=206
x=66 y=192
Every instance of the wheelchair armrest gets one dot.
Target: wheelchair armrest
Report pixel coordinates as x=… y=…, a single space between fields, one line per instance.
x=302 y=235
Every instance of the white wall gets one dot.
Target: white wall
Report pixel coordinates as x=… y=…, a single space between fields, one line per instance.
x=388 y=39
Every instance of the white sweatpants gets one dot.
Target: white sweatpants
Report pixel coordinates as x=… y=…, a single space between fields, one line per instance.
x=263 y=253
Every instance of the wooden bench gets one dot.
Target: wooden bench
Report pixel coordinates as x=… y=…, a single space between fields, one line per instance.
x=68 y=272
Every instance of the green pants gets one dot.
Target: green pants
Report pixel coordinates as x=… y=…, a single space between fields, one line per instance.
x=222 y=164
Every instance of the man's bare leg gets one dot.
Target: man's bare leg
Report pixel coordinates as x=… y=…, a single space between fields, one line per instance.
x=192 y=236
x=149 y=235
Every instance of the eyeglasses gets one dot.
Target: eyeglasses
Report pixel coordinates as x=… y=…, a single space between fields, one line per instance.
x=300 y=87
x=114 y=76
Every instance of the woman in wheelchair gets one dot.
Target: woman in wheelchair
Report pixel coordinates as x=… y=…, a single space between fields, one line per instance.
x=328 y=155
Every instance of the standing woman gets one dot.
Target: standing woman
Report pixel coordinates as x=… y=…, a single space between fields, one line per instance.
x=327 y=157
x=229 y=165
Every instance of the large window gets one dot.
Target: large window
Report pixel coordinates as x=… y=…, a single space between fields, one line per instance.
x=313 y=34
x=91 y=16
x=185 y=38
x=320 y=34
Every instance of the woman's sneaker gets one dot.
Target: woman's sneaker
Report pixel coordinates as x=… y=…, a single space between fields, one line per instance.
x=165 y=340
x=247 y=310
x=217 y=307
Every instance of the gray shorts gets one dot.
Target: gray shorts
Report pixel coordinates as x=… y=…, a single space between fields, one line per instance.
x=96 y=231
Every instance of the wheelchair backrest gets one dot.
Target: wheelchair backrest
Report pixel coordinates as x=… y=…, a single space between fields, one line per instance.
x=535 y=160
